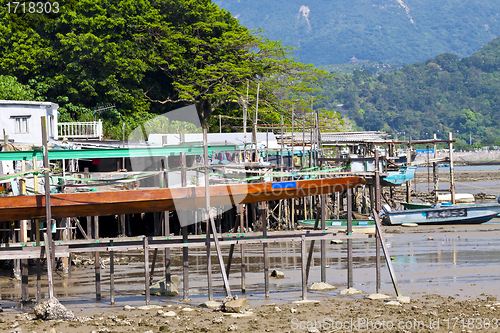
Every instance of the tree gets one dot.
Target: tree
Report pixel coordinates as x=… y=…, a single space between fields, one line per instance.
x=12 y=90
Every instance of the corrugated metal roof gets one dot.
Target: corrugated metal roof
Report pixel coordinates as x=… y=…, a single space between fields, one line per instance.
x=340 y=137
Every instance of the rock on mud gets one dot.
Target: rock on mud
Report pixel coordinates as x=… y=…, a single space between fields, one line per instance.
x=236 y=305
x=53 y=310
x=160 y=288
x=277 y=274
x=350 y=291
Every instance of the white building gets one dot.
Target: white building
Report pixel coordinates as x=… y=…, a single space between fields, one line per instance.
x=21 y=120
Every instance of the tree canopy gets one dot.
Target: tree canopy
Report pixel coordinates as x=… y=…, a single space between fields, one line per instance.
x=148 y=57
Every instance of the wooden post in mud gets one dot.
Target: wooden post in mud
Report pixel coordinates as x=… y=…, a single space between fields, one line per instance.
x=349 y=241
x=37 y=238
x=242 y=249
x=303 y=267
x=323 y=242
x=264 y=249
x=112 y=275
x=377 y=207
x=435 y=173
x=311 y=246
x=49 y=266
x=452 y=180
x=146 y=268
x=208 y=214
x=408 y=163
x=23 y=238
x=166 y=229
x=97 y=264
x=183 y=222
x=48 y=214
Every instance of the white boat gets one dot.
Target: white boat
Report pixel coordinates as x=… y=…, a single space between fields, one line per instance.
x=442 y=214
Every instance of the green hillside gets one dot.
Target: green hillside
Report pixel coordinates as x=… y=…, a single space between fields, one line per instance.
x=391 y=31
x=442 y=94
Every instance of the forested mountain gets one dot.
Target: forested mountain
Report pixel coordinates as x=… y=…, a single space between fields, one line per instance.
x=442 y=94
x=395 y=31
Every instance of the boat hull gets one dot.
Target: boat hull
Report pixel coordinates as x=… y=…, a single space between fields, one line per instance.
x=444 y=215
x=157 y=200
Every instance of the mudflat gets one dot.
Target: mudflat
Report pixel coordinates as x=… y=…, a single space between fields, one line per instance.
x=424 y=314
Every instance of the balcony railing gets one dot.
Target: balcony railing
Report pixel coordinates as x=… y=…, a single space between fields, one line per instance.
x=81 y=130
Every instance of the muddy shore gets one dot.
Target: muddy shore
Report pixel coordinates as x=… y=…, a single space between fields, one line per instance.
x=457 y=309
x=429 y=313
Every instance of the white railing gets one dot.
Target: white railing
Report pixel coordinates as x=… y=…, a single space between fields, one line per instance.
x=81 y=130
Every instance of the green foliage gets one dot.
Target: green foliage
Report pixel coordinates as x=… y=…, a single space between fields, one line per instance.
x=12 y=90
x=149 y=57
x=441 y=95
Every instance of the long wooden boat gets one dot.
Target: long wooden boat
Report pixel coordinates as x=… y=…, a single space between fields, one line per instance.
x=157 y=200
x=472 y=214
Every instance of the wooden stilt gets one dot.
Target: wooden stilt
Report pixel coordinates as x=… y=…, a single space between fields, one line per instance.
x=377 y=239
x=185 y=261
x=49 y=265
x=435 y=172
x=97 y=263
x=112 y=276
x=166 y=229
x=155 y=253
x=323 y=242
x=303 y=266
x=122 y=225
x=49 y=247
x=23 y=238
x=167 y=251
x=349 y=241
x=408 y=183
x=386 y=253
x=264 y=249
x=146 y=268
x=452 y=180
x=313 y=242
x=38 y=265
x=242 y=249
x=231 y=251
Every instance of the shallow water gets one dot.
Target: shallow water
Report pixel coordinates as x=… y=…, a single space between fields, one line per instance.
x=461 y=261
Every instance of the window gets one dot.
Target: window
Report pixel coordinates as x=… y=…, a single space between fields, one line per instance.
x=21 y=125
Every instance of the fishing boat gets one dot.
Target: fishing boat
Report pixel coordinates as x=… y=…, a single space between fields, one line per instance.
x=442 y=214
x=169 y=199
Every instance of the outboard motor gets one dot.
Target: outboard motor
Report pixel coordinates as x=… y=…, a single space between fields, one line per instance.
x=498 y=200
x=383 y=213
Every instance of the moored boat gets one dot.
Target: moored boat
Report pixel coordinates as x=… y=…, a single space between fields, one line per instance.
x=471 y=214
